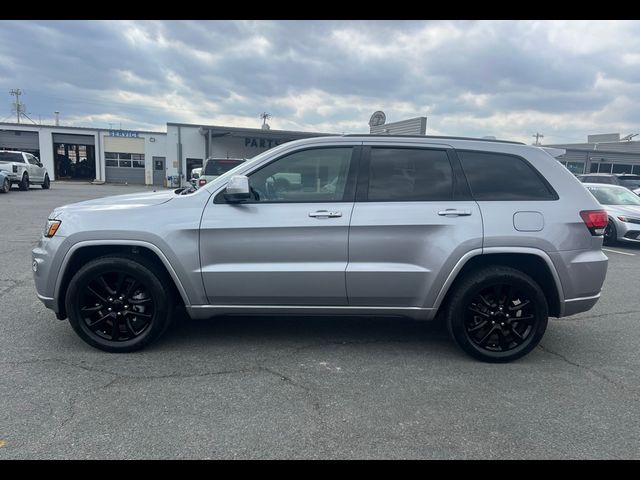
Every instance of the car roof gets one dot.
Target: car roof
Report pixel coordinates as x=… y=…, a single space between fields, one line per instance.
x=604 y=185
x=596 y=175
x=431 y=137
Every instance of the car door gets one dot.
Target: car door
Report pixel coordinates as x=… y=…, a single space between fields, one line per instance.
x=288 y=244
x=35 y=174
x=413 y=220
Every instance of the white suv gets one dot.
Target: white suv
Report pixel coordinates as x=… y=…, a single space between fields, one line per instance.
x=24 y=169
x=214 y=167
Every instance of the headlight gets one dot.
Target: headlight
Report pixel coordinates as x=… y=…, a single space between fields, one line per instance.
x=624 y=218
x=51 y=228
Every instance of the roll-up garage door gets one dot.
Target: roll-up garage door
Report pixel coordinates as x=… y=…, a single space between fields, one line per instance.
x=124 y=160
x=19 y=140
x=73 y=139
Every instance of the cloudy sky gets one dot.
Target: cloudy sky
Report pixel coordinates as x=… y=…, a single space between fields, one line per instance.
x=509 y=79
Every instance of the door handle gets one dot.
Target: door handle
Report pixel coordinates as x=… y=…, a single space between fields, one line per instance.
x=454 y=212
x=325 y=214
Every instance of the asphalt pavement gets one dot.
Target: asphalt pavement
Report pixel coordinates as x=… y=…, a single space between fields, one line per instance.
x=283 y=387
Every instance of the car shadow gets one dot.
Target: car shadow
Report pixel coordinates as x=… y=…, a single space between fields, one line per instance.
x=299 y=330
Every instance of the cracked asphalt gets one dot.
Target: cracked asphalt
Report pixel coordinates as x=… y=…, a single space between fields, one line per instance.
x=282 y=387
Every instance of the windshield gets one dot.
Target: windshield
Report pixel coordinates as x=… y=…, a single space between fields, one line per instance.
x=218 y=167
x=614 y=196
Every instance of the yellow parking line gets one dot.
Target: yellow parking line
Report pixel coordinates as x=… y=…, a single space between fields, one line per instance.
x=621 y=253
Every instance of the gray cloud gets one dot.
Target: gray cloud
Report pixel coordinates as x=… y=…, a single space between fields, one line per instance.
x=504 y=78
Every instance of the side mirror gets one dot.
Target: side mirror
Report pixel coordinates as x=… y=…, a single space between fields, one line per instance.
x=237 y=189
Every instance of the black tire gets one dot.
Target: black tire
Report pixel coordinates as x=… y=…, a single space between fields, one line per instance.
x=610 y=234
x=113 y=333
x=486 y=324
x=6 y=186
x=46 y=184
x=24 y=183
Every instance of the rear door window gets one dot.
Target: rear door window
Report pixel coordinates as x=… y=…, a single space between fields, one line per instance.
x=498 y=176
x=409 y=174
x=11 y=157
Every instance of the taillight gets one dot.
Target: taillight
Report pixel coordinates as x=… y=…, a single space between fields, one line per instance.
x=15 y=168
x=595 y=220
x=202 y=181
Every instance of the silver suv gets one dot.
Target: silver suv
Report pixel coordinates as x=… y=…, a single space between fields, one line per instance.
x=493 y=237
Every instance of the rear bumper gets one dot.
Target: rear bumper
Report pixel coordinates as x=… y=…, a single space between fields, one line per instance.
x=578 y=305
x=582 y=274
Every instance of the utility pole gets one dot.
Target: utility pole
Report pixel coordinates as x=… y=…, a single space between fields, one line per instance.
x=538 y=137
x=16 y=92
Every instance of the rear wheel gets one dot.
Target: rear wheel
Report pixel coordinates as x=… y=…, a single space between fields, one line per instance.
x=6 y=186
x=610 y=234
x=119 y=303
x=24 y=183
x=497 y=314
x=46 y=184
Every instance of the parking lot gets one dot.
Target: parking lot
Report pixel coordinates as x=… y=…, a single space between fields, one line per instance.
x=270 y=387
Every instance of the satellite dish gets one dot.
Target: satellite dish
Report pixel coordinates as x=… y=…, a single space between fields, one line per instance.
x=378 y=118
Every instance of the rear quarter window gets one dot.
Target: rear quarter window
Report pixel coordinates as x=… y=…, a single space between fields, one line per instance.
x=499 y=176
x=11 y=157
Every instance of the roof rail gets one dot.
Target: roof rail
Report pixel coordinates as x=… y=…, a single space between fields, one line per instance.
x=433 y=136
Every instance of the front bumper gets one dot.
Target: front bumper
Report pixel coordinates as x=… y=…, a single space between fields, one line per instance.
x=628 y=231
x=43 y=258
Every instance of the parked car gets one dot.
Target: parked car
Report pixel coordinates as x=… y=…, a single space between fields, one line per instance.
x=195 y=175
x=623 y=210
x=214 y=167
x=5 y=182
x=24 y=169
x=632 y=182
x=491 y=236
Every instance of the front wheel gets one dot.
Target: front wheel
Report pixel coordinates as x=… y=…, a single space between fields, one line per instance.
x=610 y=234
x=119 y=303
x=46 y=184
x=6 y=186
x=497 y=314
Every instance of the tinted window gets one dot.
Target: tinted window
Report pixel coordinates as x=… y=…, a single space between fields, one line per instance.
x=218 y=167
x=32 y=160
x=496 y=176
x=406 y=174
x=11 y=157
x=318 y=175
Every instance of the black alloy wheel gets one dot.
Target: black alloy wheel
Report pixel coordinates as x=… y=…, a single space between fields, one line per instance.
x=119 y=303
x=499 y=318
x=610 y=234
x=497 y=314
x=47 y=183
x=116 y=306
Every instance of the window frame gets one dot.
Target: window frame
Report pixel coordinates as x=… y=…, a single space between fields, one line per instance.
x=350 y=184
x=554 y=195
x=459 y=187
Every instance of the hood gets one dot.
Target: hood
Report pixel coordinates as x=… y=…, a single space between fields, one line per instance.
x=117 y=202
x=629 y=210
